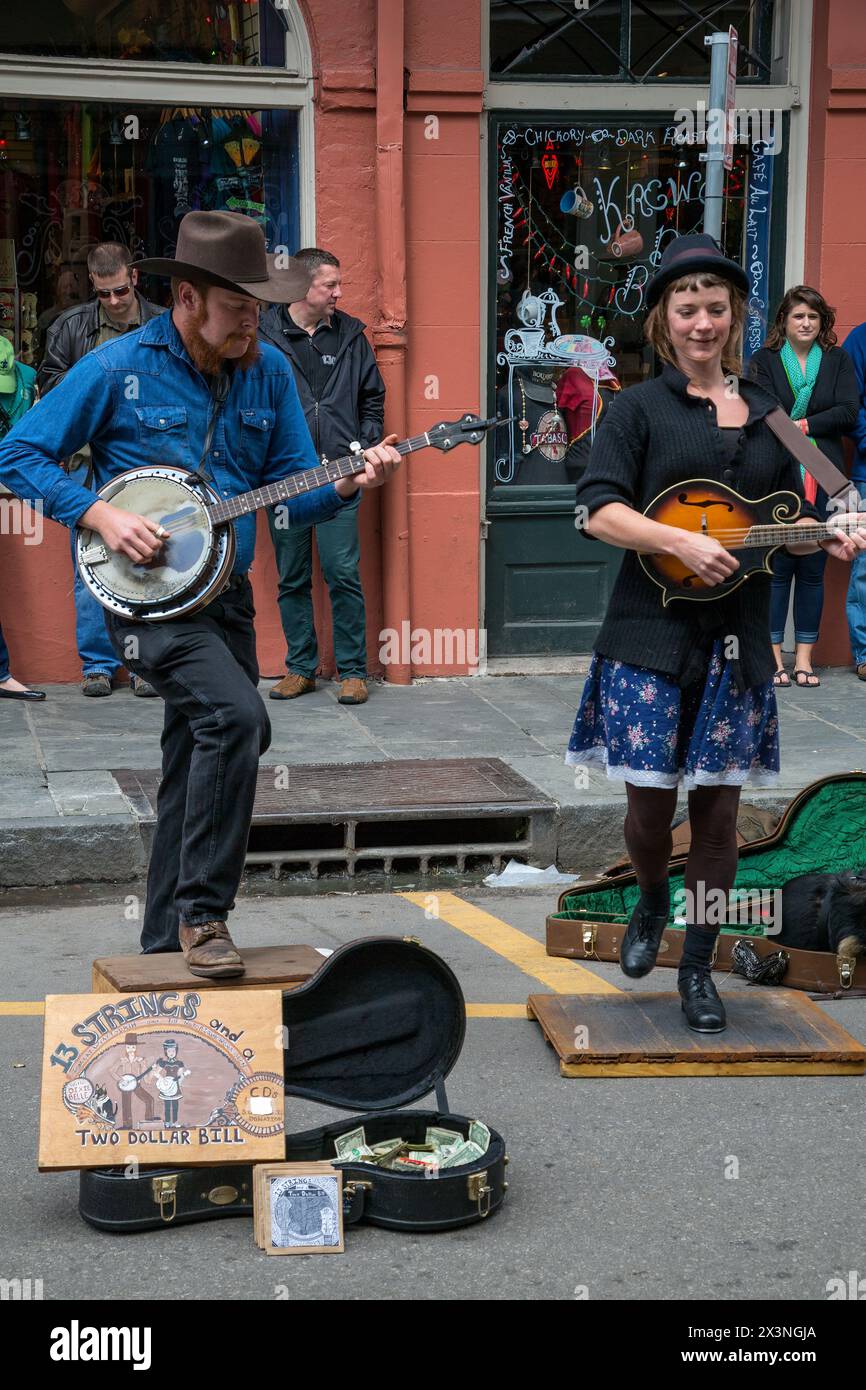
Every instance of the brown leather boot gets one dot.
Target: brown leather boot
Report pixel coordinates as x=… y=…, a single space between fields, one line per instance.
x=209 y=950
x=291 y=686
x=353 y=692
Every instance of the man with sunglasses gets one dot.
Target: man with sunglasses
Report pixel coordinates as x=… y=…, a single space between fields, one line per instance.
x=116 y=308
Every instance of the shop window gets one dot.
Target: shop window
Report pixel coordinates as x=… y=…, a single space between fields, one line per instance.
x=582 y=215
x=74 y=174
x=624 y=40
x=251 y=33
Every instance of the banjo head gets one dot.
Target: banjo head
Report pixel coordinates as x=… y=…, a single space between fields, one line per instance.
x=195 y=552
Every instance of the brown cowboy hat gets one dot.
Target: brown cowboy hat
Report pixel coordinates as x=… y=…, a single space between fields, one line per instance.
x=228 y=249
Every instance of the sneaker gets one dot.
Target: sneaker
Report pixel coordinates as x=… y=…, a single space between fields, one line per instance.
x=291 y=686
x=353 y=692
x=142 y=688
x=96 y=684
x=209 y=950
x=704 y=1010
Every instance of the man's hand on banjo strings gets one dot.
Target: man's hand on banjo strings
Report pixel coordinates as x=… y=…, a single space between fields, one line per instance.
x=382 y=460
x=125 y=532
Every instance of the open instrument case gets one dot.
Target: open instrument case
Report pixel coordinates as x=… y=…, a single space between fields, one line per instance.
x=378 y=1027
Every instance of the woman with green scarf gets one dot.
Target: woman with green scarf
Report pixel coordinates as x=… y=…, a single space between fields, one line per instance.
x=814 y=382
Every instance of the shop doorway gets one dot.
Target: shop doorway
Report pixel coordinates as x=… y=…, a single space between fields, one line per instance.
x=580 y=215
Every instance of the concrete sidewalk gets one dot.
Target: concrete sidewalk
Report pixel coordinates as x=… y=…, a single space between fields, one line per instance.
x=63 y=818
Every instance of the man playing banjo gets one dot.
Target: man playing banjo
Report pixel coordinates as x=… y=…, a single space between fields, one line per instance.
x=193 y=388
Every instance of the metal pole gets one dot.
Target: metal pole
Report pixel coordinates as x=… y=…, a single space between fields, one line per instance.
x=715 y=154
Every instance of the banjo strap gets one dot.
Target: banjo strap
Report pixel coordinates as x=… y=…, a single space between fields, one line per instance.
x=219 y=390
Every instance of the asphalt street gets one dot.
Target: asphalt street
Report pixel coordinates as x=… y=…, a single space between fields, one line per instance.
x=618 y=1188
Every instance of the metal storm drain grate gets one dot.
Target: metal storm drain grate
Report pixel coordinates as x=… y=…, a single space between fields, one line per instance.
x=413 y=816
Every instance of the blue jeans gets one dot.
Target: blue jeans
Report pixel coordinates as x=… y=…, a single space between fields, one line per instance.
x=807 y=572
x=855 y=606
x=91 y=635
x=340 y=557
x=4 y=658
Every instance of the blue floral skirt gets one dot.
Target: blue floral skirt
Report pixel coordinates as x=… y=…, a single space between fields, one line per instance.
x=643 y=729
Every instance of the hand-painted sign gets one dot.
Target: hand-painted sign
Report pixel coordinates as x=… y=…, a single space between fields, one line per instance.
x=164 y=1076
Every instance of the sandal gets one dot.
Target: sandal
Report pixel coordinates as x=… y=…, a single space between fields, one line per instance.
x=781 y=678
x=807 y=684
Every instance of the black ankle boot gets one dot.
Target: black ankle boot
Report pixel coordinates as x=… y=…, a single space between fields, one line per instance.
x=704 y=1010
x=641 y=942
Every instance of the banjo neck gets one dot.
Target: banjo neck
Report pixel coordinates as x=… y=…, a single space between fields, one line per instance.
x=330 y=471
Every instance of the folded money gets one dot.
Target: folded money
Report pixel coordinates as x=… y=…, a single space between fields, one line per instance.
x=442 y=1148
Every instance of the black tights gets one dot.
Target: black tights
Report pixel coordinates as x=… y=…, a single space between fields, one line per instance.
x=713 y=850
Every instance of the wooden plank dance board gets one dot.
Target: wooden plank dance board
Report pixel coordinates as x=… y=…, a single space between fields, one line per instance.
x=770 y=1032
x=267 y=967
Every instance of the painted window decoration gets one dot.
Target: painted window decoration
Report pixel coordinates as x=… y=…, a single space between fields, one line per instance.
x=75 y=174
x=249 y=33
x=584 y=213
x=625 y=40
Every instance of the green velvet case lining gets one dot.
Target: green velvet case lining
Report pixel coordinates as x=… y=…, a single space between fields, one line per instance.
x=826 y=834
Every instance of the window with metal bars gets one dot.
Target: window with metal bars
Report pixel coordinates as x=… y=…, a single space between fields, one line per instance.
x=625 y=40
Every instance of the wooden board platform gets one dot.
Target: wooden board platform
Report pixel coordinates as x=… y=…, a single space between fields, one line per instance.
x=770 y=1032
x=267 y=967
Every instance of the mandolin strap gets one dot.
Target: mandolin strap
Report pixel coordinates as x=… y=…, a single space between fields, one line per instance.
x=816 y=464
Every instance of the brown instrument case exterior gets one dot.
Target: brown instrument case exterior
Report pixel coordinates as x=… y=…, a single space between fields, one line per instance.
x=822 y=830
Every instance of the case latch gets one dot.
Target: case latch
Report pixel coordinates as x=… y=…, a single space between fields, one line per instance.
x=846 y=972
x=589 y=936
x=480 y=1191
x=165 y=1195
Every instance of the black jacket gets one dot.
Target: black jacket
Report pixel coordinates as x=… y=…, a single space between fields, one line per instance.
x=835 y=398
x=650 y=437
x=352 y=406
x=72 y=335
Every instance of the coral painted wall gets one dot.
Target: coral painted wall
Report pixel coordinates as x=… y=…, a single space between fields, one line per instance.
x=835 y=224
x=443 y=65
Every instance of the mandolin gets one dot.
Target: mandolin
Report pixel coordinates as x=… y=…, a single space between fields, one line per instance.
x=751 y=529
x=195 y=563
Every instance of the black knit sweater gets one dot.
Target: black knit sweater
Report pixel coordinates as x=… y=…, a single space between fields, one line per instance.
x=652 y=436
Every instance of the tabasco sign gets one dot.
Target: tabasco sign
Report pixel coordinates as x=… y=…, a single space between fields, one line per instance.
x=168 y=1076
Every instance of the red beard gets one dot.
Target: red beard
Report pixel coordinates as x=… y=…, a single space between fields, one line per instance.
x=210 y=359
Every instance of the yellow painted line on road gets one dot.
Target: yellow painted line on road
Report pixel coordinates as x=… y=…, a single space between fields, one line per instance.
x=25 y=1008
x=529 y=955
x=496 y=1011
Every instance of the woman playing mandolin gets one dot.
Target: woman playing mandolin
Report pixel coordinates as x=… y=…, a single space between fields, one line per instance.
x=682 y=690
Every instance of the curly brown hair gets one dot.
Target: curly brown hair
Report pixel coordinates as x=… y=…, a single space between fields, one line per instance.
x=656 y=325
x=803 y=294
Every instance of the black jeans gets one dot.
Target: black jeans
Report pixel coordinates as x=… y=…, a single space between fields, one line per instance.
x=216 y=728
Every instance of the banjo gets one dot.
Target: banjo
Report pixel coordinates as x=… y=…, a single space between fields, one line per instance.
x=195 y=563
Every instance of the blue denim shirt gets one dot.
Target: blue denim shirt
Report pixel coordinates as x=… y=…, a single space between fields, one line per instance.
x=140 y=400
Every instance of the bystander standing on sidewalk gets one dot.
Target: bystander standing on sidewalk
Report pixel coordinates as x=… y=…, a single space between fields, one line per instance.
x=17 y=395
x=813 y=380
x=855 y=346
x=118 y=308
x=343 y=397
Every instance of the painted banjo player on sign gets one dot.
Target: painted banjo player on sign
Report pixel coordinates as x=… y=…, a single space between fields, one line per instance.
x=192 y=390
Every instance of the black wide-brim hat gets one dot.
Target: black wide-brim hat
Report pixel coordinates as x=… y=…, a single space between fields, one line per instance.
x=228 y=249
x=689 y=255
